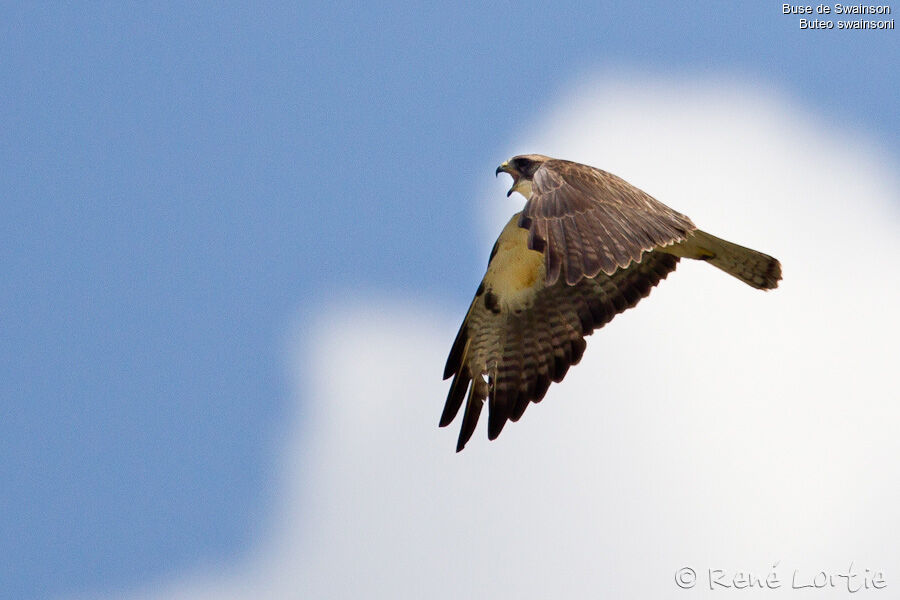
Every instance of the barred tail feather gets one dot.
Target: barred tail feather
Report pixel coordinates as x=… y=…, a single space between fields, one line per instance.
x=753 y=268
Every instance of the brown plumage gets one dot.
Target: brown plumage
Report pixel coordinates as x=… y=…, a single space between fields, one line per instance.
x=587 y=246
x=586 y=220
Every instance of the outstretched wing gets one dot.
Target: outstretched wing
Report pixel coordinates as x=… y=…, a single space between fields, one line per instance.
x=588 y=221
x=521 y=334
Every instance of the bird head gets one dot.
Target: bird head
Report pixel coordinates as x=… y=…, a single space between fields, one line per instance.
x=522 y=169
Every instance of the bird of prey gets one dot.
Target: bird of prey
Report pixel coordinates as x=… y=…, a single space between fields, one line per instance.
x=586 y=246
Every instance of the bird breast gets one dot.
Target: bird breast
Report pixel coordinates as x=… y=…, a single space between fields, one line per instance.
x=515 y=274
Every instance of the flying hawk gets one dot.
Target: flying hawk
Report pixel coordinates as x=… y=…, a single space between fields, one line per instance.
x=587 y=246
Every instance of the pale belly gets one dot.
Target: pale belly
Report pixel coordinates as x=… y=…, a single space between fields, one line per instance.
x=515 y=273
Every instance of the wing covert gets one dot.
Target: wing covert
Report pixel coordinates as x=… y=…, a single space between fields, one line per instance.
x=587 y=221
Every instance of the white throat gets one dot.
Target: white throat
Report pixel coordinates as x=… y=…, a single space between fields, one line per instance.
x=523 y=186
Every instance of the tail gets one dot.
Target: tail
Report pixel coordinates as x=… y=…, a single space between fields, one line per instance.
x=753 y=268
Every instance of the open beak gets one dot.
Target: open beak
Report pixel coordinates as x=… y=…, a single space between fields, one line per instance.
x=505 y=168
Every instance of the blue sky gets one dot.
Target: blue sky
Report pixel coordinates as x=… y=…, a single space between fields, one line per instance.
x=181 y=186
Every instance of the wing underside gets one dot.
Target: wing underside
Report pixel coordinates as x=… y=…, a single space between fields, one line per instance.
x=510 y=357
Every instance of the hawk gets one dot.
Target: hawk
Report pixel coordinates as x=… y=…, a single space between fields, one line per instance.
x=586 y=246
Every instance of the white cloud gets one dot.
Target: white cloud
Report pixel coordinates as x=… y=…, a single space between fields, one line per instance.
x=713 y=427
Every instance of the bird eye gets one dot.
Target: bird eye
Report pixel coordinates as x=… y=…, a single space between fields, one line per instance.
x=522 y=165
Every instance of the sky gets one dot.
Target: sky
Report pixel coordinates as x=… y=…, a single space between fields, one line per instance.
x=236 y=245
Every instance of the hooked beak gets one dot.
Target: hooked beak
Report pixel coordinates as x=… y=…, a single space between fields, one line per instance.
x=505 y=168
